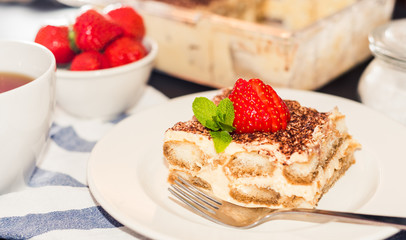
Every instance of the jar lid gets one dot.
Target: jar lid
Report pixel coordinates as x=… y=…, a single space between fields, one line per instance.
x=389 y=41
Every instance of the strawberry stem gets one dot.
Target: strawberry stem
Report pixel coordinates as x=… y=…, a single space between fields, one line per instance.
x=72 y=40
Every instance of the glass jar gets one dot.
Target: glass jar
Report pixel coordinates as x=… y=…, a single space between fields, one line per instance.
x=383 y=83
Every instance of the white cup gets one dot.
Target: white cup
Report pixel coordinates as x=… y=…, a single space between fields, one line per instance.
x=25 y=112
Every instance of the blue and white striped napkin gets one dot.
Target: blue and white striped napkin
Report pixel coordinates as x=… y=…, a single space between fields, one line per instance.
x=57 y=203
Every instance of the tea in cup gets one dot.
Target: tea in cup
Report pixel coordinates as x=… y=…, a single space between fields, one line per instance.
x=27 y=103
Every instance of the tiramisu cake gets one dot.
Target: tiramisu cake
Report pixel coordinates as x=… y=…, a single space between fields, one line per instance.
x=290 y=162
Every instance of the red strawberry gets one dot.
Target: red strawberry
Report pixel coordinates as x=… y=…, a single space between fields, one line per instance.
x=56 y=39
x=131 y=22
x=94 y=31
x=91 y=60
x=124 y=50
x=257 y=107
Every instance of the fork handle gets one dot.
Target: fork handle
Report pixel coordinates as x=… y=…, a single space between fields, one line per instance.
x=397 y=222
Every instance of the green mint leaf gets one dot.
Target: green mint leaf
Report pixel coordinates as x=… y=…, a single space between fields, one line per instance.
x=204 y=110
x=212 y=124
x=221 y=140
x=219 y=119
x=225 y=112
x=226 y=127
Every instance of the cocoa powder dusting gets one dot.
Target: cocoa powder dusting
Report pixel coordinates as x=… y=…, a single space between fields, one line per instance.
x=298 y=133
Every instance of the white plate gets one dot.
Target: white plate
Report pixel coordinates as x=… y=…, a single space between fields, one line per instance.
x=127 y=176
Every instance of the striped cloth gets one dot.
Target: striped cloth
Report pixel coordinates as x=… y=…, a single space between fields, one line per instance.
x=57 y=203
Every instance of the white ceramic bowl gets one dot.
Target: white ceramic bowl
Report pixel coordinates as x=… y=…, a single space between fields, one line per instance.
x=105 y=93
x=25 y=112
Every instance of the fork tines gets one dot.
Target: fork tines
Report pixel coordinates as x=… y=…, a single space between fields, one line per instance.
x=193 y=197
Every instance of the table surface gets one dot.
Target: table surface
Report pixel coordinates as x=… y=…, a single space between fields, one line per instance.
x=343 y=86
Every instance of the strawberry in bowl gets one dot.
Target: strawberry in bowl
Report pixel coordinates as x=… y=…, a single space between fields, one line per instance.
x=104 y=61
x=56 y=39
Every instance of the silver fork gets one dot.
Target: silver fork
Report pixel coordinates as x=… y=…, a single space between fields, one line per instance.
x=232 y=215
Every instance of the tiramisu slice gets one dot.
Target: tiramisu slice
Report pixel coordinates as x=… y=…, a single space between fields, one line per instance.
x=290 y=167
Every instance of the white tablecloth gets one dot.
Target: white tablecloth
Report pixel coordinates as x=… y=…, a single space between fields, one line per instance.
x=57 y=203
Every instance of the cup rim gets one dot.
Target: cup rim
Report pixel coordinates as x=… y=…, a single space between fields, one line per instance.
x=80 y=75
x=52 y=66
